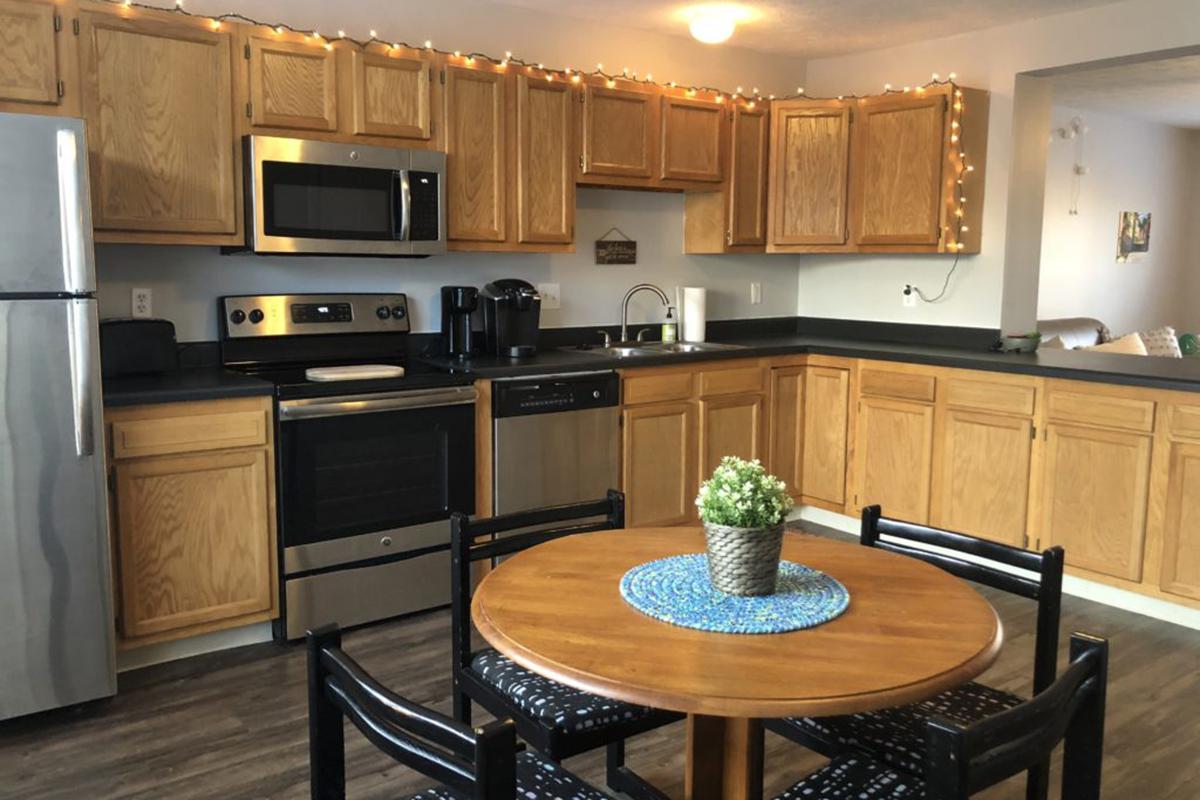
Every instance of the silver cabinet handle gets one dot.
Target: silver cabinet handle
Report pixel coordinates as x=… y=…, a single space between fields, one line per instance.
x=80 y=324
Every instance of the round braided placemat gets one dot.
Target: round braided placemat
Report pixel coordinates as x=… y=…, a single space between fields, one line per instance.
x=678 y=590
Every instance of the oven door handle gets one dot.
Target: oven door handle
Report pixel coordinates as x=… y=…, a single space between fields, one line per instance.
x=291 y=410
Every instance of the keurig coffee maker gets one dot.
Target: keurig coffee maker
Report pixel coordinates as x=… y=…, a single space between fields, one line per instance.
x=458 y=303
x=511 y=308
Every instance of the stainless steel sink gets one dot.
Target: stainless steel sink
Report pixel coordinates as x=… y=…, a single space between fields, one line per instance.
x=635 y=349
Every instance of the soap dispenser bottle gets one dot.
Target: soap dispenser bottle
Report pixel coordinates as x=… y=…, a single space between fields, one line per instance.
x=670 y=329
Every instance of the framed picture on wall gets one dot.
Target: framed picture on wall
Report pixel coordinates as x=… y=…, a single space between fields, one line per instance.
x=1133 y=234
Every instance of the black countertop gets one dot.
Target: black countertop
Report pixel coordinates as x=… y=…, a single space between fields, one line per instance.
x=200 y=383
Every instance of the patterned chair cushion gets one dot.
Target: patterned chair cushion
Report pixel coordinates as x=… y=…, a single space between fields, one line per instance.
x=536 y=778
x=896 y=736
x=552 y=703
x=856 y=777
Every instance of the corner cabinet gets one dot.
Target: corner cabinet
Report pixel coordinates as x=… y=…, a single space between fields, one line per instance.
x=809 y=193
x=193 y=511
x=157 y=99
x=734 y=219
x=826 y=435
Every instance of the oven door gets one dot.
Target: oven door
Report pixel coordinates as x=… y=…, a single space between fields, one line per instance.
x=373 y=477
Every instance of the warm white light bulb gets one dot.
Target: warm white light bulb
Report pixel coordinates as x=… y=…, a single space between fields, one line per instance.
x=715 y=22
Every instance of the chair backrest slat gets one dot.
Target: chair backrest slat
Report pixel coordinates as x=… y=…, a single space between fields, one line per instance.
x=539 y=516
x=1005 y=581
x=516 y=542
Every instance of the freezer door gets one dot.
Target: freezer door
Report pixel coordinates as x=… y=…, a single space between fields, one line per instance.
x=45 y=213
x=56 y=629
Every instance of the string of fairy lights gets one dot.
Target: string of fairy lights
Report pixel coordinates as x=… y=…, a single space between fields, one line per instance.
x=625 y=75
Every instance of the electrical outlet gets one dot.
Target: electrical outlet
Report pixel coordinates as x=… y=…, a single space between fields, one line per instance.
x=141 y=303
x=551 y=295
x=755 y=293
x=910 y=296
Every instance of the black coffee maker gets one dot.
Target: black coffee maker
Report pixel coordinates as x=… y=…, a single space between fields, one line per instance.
x=511 y=308
x=458 y=303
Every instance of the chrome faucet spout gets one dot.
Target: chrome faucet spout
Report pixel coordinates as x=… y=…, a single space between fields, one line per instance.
x=647 y=287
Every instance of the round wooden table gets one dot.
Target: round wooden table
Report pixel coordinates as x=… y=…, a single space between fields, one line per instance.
x=911 y=631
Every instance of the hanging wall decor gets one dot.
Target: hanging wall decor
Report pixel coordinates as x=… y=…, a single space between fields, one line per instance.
x=616 y=251
x=1133 y=234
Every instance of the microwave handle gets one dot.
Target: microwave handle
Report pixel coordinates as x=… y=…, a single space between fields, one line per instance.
x=405 y=198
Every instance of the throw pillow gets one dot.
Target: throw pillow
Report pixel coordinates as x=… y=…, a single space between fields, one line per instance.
x=1053 y=343
x=1161 y=342
x=1130 y=344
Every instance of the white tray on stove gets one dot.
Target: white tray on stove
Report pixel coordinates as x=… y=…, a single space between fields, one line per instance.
x=358 y=372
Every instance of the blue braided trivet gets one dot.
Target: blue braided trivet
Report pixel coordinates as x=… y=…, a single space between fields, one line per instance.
x=678 y=590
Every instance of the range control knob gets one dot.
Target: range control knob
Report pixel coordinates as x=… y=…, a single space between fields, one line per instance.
x=256 y=316
x=237 y=317
x=399 y=312
x=382 y=312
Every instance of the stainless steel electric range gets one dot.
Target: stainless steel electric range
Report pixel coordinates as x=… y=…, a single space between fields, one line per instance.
x=368 y=469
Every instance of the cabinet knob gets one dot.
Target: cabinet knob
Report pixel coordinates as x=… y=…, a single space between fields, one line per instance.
x=386 y=541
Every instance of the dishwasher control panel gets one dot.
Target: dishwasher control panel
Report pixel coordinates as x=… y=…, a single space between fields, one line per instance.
x=555 y=393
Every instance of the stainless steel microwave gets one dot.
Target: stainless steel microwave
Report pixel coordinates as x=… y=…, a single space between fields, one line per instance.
x=309 y=197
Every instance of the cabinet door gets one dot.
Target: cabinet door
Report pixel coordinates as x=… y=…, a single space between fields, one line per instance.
x=157 y=98
x=659 y=471
x=1181 y=540
x=28 y=52
x=893 y=448
x=391 y=95
x=810 y=154
x=292 y=85
x=1094 y=497
x=983 y=475
x=619 y=132
x=900 y=150
x=826 y=417
x=691 y=139
x=748 y=176
x=730 y=426
x=194 y=538
x=475 y=155
x=787 y=426
x=545 y=155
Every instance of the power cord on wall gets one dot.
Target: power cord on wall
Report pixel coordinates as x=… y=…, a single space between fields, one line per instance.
x=909 y=288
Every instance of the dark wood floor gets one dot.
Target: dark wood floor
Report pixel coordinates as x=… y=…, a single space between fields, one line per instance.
x=233 y=725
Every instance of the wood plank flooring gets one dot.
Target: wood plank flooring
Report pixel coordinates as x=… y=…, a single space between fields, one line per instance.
x=233 y=725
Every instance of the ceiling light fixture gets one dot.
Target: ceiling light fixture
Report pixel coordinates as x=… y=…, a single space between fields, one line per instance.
x=713 y=23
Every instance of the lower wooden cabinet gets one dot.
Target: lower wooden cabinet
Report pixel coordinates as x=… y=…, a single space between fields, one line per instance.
x=659 y=465
x=193 y=517
x=785 y=450
x=894 y=457
x=1180 y=573
x=826 y=432
x=733 y=425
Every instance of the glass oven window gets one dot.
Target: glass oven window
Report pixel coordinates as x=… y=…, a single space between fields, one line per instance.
x=363 y=473
x=319 y=201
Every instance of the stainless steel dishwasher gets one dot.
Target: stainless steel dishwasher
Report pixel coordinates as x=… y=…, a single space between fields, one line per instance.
x=556 y=439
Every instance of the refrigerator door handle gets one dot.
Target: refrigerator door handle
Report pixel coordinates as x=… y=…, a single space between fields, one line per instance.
x=72 y=208
x=81 y=323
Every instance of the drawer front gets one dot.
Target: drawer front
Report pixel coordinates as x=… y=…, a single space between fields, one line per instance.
x=1093 y=409
x=900 y=385
x=987 y=396
x=152 y=437
x=1184 y=421
x=733 y=381
x=657 y=387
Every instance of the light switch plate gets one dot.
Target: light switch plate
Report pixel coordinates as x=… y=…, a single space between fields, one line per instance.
x=755 y=293
x=141 y=303
x=551 y=295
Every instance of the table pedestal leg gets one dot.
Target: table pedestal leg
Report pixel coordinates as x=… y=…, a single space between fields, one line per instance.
x=724 y=758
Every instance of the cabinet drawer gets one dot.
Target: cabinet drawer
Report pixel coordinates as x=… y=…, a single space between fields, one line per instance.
x=657 y=387
x=1109 y=412
x=732 y=381
x=187 y=434
x=1184 y=421
x=900 y=385
x=987 y=396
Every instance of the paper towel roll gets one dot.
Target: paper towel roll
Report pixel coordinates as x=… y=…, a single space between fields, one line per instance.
x=694 y=301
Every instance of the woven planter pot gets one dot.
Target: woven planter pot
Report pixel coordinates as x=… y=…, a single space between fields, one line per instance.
x=743 y=561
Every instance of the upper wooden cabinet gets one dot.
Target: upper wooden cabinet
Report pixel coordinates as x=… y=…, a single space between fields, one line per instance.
x=476 y=154
x=293 y=84
x=157 y=101
x=734 y=219
x=30 y=55
x=693 y=133
x=620 y=129
x=545 y=161
x=810 y=153
x=392 y=95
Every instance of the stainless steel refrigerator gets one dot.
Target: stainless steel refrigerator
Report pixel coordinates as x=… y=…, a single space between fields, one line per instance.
x=56 y=621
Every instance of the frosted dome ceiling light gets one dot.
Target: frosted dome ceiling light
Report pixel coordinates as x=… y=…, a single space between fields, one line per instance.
x=715 y=22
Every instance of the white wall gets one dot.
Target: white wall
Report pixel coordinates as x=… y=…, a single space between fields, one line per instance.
x=863 y=287
x=187 y=280
x=1133 y=165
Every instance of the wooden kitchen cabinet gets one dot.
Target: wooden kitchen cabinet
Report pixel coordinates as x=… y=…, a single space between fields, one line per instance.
x=731 y=425
x=734 y=220
x=659 y=469
x=545 y=161
x=476 y=155
x=194 y=517
x=157 y=99
x=785 y=456
x=826 y=436
x=894 y=457
x=391 y=93
x=37 y=63
x=293 y=83
x=810 y=161
x=693 y=135
x=620 y=128
x=1180 y=571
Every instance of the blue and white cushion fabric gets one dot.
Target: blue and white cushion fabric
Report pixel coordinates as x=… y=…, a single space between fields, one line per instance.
x=552 y=703
x=856 y=777
x=537 y=779
x=896 y=736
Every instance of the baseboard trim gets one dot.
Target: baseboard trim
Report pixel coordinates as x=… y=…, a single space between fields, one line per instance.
x=1072 y=585
x=163 y=652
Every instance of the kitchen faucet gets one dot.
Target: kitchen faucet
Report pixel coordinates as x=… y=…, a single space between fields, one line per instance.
x=649 y=287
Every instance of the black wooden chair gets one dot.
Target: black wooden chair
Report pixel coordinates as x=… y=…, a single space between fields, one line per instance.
x=962 y=760
x=556 y=720
x=470 y=763
x=896 y=736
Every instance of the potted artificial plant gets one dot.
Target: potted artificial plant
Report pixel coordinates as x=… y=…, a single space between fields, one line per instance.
x=743 y=509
